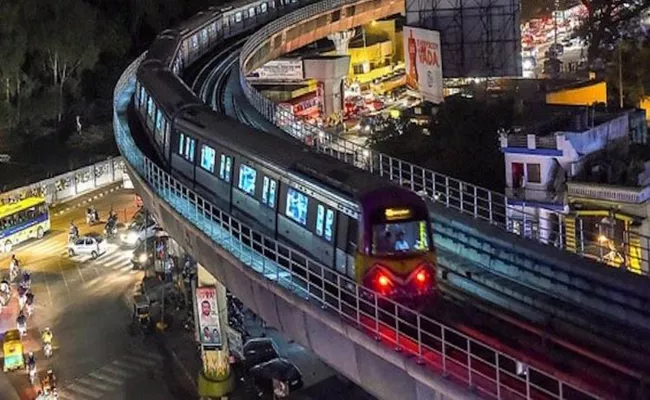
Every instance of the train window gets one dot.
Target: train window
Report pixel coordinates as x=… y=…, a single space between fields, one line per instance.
x=297 y=206
x=238 y=17
x=208 y=156
x=320 y=219
x=181 y=143
x=159 y=123
x=225 y=167
x=212 y=29
x=195 y=42
x=251 y=12
x=186 y=147
x=268 y=191
x=263 y=7
x=150 y=107
x=204 y=36
x=329 y=225
x=247 y=177
x=392 y=237
x=143 y=96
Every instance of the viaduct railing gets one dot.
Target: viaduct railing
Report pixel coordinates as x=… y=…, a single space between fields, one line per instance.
x=564 y=232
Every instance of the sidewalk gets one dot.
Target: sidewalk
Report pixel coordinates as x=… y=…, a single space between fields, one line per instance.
x=86 y=198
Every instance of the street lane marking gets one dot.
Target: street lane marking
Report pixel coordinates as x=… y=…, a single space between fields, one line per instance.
x=107 y=378
x=128 y=366
x=116 y=371
x=76 y=387
x=146 y=362
x=90 y=382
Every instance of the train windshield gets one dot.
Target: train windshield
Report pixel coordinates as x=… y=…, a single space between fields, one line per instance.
x=400 y=237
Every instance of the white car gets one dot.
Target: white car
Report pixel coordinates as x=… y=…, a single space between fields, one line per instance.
x=93 y=244
x=136 y=232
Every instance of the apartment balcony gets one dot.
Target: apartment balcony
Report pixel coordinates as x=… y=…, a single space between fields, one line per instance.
x=619 y=194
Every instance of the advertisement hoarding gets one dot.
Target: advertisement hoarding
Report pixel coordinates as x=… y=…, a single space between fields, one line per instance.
x=424 y=63
x=288 y=69
x=209 y=324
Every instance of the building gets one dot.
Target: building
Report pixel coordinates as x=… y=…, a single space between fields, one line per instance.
x=376 y=55
x=577 y=174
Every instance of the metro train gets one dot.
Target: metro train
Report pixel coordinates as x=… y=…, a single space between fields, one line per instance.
x=351 y=221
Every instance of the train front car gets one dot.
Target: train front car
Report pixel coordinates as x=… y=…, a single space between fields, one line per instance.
x=395 y=254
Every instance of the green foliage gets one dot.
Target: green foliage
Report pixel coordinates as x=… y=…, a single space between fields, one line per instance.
x=635 y=59
x=607 y=21
x=463 y=142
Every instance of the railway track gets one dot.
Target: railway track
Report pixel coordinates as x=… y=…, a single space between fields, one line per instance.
x=532 y=332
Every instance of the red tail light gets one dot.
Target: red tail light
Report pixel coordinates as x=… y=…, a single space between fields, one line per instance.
x=422 y=277
x=383 y=280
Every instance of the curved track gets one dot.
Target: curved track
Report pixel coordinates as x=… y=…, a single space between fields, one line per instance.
x=217 y=84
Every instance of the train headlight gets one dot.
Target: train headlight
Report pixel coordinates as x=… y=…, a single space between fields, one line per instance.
x=142 y=258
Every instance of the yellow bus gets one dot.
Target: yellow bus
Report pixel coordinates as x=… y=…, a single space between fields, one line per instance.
x=22 y=220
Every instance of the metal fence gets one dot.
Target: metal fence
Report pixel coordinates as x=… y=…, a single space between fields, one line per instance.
x=71 y=184
x=631 y=251
x=440 y=349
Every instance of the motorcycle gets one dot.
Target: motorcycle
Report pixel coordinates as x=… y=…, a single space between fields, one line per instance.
x=92 y=217
x=32 y=374
x=47 y=349
x=110 y=229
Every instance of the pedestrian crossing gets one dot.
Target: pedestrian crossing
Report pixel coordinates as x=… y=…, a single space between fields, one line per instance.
x=112 y=377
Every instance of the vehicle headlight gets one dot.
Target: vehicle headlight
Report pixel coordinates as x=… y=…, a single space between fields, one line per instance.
x=142 y=257
x=131 y=237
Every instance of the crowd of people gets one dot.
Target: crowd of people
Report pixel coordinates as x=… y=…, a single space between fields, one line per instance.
x=22 y=278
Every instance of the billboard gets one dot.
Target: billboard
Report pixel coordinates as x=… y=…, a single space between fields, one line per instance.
x=287 y=69
x=424 y=63
x=479 y=38
x=209 y=324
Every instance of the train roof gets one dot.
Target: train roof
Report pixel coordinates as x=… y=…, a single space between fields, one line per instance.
x=170 y=92
x=288 y=154
x=164 y=47
x=199 y=20
x=383 y=198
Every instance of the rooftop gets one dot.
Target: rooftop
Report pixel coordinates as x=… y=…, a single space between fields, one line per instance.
x=546 y=120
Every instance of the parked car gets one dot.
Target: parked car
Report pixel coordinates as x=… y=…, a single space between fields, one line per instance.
x=93 y=244
x=258 y=351
x=287 y=376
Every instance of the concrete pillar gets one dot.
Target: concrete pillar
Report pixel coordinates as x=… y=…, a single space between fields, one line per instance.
x=215 y=379
x=332 y=95
x=342 y=41
x=329 y=71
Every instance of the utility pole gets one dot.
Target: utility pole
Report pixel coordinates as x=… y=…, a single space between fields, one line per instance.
x=620 y=73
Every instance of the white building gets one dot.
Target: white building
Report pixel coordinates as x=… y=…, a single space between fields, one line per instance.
x=540 y=158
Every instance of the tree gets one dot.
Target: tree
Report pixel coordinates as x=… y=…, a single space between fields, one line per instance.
x=13 y=49
x=606 y=22
x=635 y=59
x=463 y=142
x=65 y=37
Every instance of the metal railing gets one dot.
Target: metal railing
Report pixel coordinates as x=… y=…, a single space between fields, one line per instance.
x=439 y=348
x=515 y=216
x=601 y=191
x=71 y=184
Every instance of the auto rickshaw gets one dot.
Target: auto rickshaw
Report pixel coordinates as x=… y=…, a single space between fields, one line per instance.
x=141 y=316
x=13 y=351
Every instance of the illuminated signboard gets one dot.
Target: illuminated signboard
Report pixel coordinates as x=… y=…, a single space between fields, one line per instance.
x=392 y=214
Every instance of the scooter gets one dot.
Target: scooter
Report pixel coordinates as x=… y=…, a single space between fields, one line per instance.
x=47 y=349
x=32 y=375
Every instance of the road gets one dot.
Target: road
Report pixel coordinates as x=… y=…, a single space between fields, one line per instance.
x=87 y=304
